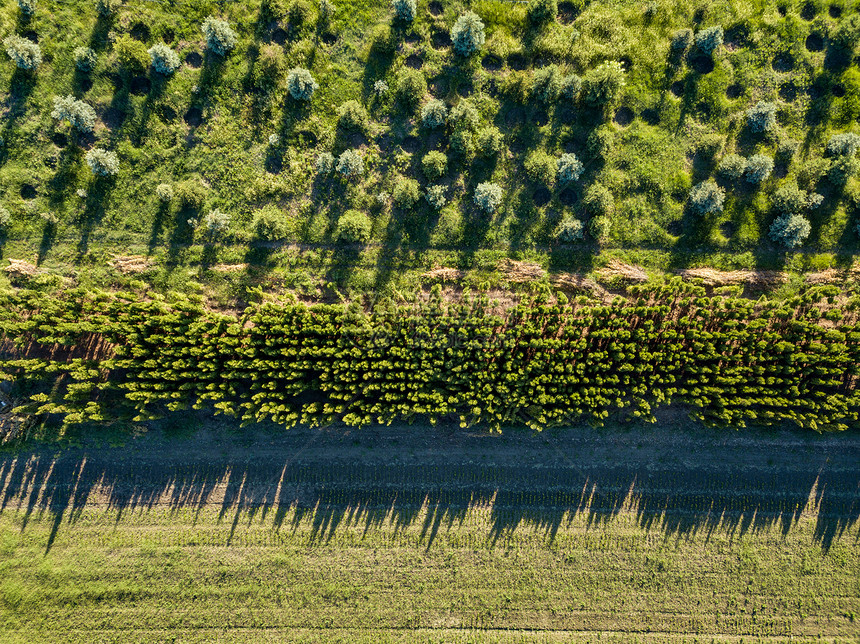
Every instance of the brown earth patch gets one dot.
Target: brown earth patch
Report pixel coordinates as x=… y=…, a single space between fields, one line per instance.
x=515 y=271
x=756 y=279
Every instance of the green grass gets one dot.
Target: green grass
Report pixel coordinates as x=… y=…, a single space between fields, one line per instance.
x=649 y=168
x=194 y=575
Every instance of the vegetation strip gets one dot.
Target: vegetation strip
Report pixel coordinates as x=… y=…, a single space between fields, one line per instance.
x=545 y=361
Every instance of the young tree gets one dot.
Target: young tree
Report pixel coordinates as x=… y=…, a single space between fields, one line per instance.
x=488 y=197
x=25 y=54
x=707 y=198
x=103 y=163
x=78 y=114
x=301 y=84
x=164 y=59
x=468 y=34
x=220 y=38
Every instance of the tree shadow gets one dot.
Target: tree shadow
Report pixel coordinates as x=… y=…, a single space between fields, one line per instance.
x=677 y=499
x=94 y=210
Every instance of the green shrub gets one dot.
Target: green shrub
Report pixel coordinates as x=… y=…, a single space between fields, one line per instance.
x=190 y=194
x=598 y=201
x=812 y=171
x=269 y=223
x=488 y=197
x=790 y=230
x=435 y=165
x=411 y=87
x=842 y=169
x=353 y=227
x=107 y=8
x=732 y=167
x=435 y=196
x=569 y=230
x=27 y=7
x=85 y=59
x=383 y=41
x=541 y=167
x=602 y=86
x=468 y=34
x=404 y=10
x=843 y=144
x=78 y=114
x=301 y=84
x=547 y=84
x=707 y=198
x=789 y=199
x=406 y=193
x=464 y=115
x=569 y=168
x=709 y=39
x=300 y=14
x=462 y=143
x=164 y=192
x=5 y=219
x=681 y=40
x=761 y=117
x=490 y=141
x=132 y=54
x=220 y=38
x=324 y=163
x=542 y=11
x=164 y=59
x=25 y=54
x=449 y=229
x=759 y=167
x=434 y=114
x=571 y=87
x=599 y=227
x=350 y=164
x=103 y=163
x=352 y=117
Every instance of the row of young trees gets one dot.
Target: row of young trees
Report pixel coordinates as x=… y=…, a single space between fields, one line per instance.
x=547 y=361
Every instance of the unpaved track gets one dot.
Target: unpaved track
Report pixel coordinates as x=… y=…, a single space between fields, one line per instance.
x=678 y=476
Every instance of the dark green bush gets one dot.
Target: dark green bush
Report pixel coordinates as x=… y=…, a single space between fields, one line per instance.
x=490 y=141
x=404 y=10
x=571 y=87
x=601 y=87
x=270 y=224
x=569 y=168
x=190 y=194
x=569 y=230
x=541 y=167
x=681 y=40
x=411 y=87
x=547 y=84
x=435 y=165
x=464 y=115
x=353 y=227
x=542 y=11
x=85 y=59
x=598 y=201
x=406 y=193
x=352 y=117
x=132 y=54
x=436 y=197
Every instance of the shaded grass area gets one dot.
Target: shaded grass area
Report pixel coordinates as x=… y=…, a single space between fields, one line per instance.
x=383 y=536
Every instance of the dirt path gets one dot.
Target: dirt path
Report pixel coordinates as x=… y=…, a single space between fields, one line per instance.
x=679 y=476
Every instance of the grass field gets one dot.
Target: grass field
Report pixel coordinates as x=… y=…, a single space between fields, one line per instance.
x=209 y=127
x=659 y=534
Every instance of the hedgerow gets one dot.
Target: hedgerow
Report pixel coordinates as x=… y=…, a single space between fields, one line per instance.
x=544 y=362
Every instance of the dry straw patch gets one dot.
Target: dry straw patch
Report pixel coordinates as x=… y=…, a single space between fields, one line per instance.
x=131 y=264
x=515 y=271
